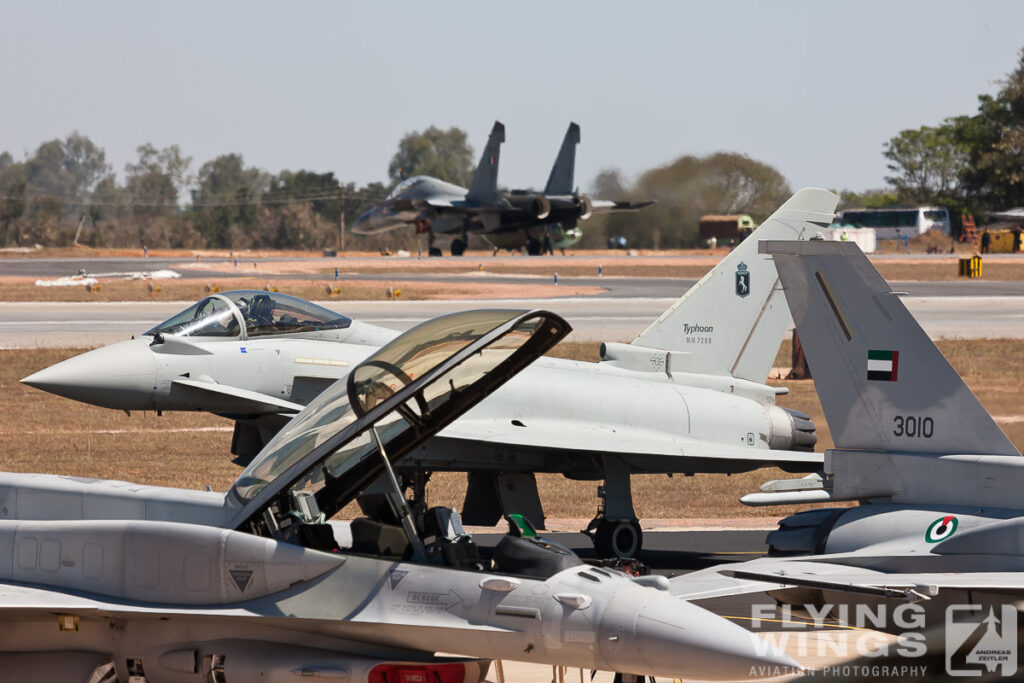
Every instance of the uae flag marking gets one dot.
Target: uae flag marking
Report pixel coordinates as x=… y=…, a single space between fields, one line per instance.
x=883 y=365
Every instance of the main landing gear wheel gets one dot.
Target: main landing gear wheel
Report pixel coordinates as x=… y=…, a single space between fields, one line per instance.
x=458 y=246
x=618 y=539
x=434 y=251
x=532 y=247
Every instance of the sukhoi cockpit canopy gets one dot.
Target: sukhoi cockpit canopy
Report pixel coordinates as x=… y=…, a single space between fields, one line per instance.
x=390 y=403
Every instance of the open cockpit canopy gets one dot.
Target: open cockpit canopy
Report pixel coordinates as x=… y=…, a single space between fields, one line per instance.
x=250 y=313
x=407 y=391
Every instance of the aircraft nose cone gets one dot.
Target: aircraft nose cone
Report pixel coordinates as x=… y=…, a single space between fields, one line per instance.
x=667 y=636
x=119 y=376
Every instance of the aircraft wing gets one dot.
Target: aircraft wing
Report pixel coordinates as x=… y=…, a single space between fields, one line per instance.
x=23 y=599
x=770 y=574
x=588 y=437
x=233 y=399
x=713 y=582
x=606 y=206
x=883 y=584
x=14 y=597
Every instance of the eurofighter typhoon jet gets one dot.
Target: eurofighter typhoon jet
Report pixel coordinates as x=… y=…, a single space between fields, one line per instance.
x=688 y=395
x=941 y=519
x=104 y=581
x=508 y=220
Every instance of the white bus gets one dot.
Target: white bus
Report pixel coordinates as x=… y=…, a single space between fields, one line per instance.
x=891 y=224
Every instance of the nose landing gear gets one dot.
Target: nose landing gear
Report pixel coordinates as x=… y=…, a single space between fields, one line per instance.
x=616 y=538
x=615 y=530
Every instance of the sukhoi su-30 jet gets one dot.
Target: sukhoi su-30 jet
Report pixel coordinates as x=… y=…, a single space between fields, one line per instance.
x=941 y=519
x=112 y=582
x=508 y=220
x=688 y=395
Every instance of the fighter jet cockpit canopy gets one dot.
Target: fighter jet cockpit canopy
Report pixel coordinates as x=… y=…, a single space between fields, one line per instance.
x=389 y=404
x=401 y=187
x=250 y=313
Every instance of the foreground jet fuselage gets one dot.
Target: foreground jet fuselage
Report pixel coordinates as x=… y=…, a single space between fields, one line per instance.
x=107 y=581
x=941 y=521
x=687 y=396
x=509 y=220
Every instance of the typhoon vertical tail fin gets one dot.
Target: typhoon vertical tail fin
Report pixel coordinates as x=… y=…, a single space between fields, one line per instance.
x=562 y=177
x=883 y=384
x=732 y=321
x=484 y=187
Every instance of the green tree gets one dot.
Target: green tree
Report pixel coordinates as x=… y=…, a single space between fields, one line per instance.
x=226 y=202
x=85 y=162
x=868 y=199
x=322 y=191
x=688 y=188
x=994 y=175
x=154 y=183
x=927 y=164
x=444 y=154
x=46 y=174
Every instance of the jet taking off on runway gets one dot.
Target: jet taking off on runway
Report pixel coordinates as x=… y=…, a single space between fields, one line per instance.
x=107 y=581
x=941 y=521
x=688 y=395
x=508 y=220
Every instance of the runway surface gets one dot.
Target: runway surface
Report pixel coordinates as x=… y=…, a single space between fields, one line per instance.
x=617 y=287
x=87 y=324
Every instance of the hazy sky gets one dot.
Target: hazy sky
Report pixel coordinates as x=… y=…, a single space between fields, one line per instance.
x=813 y=88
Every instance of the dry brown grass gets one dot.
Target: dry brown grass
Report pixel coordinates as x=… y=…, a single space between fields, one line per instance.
x=688 y=265
x=547 y=268
x=41 y=432
x=946 y=269
x=44 y=433
x=347 y=290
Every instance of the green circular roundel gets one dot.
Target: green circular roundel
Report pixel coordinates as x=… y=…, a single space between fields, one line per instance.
x=941 y=529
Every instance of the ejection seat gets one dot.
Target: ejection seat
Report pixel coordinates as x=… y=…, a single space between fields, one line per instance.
x=522 y=552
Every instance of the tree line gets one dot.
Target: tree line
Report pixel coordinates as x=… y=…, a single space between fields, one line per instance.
x=67 y=188
x=968 y=163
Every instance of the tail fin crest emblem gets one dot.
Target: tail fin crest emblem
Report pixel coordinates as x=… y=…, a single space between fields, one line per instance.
x=742 y=280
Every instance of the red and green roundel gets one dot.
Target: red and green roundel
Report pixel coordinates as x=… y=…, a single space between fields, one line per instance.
x=941 y=529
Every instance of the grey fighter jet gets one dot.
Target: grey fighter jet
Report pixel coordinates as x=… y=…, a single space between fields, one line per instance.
x=688 y=395
x=107 y=581
x=508 y=220
x=941 y=520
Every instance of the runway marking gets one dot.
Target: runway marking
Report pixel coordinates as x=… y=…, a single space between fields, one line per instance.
x=122 y=431
x=738 y=552
x=91 y=323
